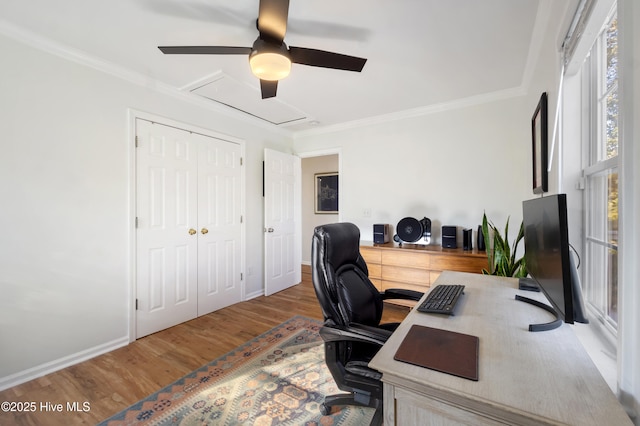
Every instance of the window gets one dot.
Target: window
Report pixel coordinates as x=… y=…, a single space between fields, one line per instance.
x=601 y=177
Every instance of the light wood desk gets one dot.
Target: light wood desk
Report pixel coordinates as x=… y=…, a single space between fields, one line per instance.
x=525 y=378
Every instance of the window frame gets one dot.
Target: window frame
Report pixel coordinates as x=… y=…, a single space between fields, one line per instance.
x=596 y=165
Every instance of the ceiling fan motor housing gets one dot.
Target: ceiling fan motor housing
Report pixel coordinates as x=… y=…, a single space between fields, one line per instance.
x=270 y=60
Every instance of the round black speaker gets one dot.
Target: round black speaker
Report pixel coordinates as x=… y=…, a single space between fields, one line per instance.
x=409 y=230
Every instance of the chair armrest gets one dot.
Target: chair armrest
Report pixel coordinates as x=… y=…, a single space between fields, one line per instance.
x=354 y=333
x=374 y=332
x=399 y=293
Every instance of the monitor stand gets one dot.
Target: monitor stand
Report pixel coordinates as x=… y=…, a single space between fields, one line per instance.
x=542 y=327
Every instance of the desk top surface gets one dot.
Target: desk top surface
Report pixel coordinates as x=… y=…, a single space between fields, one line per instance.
x=543 y=376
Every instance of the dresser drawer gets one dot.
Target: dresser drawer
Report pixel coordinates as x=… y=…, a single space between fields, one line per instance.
x=405 y=275
x=458 y=263
x=411 y=259
x=375 y=270
x=370 y=255
x=385 y=285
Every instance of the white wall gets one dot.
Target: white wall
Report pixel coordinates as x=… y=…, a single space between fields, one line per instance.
x=450 y=166
x=65 y=215
x=311 y=219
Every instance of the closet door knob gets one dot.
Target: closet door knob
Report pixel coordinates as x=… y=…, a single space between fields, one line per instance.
x=192 y=231
x=204 y=231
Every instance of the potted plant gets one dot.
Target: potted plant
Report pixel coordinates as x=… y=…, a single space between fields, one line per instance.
x=501 y=255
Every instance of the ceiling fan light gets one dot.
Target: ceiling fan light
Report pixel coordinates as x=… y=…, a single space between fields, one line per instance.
x=269 y=60
x=270 y=66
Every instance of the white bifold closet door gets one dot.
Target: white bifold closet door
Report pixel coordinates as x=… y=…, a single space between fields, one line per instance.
x=188 y=234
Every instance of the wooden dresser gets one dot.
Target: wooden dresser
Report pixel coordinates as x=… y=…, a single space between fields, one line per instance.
x=415 y=267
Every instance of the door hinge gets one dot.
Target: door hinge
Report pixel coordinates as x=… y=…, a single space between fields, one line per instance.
x=136 y=222
x=241 y=218
x=241 y=161
x=136 y=304
x=241 y=276
x=136 y=141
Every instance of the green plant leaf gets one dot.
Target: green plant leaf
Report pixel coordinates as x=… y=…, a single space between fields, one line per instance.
x=485 y=234
x=507 y=249
x=517 y=241
x=522 y=271
x=502 y=255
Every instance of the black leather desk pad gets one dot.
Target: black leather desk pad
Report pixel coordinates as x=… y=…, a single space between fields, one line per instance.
x=440 y=350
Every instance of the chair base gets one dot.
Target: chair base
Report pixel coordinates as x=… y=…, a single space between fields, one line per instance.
x=360 y=400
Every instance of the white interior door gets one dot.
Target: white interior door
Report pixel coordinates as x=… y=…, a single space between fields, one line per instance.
x=167 y=242
x=282 y=231
x=189 y=225
x=219 y=224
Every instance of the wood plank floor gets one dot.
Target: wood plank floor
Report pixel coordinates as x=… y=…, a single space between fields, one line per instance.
x=111 y=382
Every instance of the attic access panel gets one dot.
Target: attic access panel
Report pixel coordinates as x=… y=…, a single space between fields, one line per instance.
x=238 y=95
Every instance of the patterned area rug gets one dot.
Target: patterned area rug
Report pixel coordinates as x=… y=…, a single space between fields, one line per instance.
x=278 y=378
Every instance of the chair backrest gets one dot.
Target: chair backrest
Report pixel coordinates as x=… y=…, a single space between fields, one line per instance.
x=340 y=276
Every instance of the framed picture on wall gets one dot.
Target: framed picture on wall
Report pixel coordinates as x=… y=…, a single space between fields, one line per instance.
x=326 y=193
x=539 y=131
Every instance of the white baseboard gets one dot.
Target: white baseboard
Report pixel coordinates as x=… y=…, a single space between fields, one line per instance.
x=254 y=295
x=67 y=361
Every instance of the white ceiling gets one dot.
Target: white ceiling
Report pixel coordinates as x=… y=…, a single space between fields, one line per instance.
x=421 y=53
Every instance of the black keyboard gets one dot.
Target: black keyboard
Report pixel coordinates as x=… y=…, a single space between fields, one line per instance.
x=442 y=299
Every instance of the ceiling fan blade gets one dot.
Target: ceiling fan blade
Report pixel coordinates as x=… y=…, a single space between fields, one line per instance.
x=204 y=50
x=272 y=19
x=268 y=88
x=322 y=58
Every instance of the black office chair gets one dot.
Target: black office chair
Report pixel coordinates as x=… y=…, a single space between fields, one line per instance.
x=352 y=309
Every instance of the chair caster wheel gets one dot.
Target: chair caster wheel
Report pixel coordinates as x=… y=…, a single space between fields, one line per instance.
x=324 y=410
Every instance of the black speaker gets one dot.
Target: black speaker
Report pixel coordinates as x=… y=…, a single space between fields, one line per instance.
x=449 y=237
x=467 y=239
x=481 y=243
x=380 y=233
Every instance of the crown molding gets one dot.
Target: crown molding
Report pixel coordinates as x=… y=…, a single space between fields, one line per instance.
x=82 y=58
x=417 y=112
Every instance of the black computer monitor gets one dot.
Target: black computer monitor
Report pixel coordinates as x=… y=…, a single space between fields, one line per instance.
x=549 y=260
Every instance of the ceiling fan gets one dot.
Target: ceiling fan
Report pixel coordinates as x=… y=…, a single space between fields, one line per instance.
x=270 y=58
